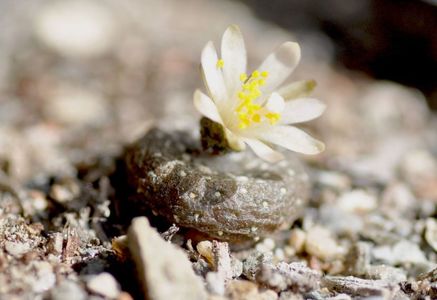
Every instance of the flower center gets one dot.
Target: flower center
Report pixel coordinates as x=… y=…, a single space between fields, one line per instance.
x=248 y=110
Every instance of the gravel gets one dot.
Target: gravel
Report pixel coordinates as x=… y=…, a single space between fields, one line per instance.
x=74 y=107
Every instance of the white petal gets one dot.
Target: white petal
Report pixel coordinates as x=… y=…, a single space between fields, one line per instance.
x=301 y=110
x=280 y=64
x=235 y=142
x=297 y=89
x=292 y=138
x=275 y=103
x=234 y=57
x=206 y=106
x=213 y=76
x=264 y=151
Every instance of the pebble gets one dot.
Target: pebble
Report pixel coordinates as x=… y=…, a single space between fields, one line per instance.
x=205 y=249
x=357 y=201
x=105 y=285
x=72 y=105
x=76 y=28
x=431 y=233
x=320 y=243
x=163 y=269
x=335 y=180
x=295 y=276
x=398 y=199
x=339 y=221
x=16 y=249
x=68 y=290
x=265 y=245
x=297 y=239
x=55 y=243
x=242 y=290
x=44 y=278
x=418 y=164
x=403 y=252
x=386 y=273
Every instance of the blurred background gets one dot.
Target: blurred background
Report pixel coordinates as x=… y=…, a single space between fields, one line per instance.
x=80 y=79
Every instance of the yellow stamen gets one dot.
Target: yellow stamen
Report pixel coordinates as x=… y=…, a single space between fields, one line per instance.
x=273 y=117
x=220 y=64
x=248 y=110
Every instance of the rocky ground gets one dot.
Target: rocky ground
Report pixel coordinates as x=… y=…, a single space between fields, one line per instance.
x=69 y=107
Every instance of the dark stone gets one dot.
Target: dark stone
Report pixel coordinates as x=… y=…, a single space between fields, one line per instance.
x=236 y=197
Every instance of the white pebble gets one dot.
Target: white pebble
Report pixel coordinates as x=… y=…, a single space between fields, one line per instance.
x=105 y=285
x=76 y=28
x=357 y=201
x=321 y=244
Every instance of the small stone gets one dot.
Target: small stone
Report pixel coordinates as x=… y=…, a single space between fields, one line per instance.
x=418 y=164
x=236 y=266
x=55 y=243
x=242 y=290
x=358 y=287
x=267 y=245
x=68 y=290
x=403 y=252
x=321 y=244
x=294 y=276
x=76 y=28
x=222 y=259
x=268 y=295
x=215 y=283
x=333 y=180
x=386 y=273
x=252 y=264
x=339 y=221
x=76 y=106
x=431 y=233
x=105 y=285
x=357 y=201
x=163 y=269
x=288 y=295
x=297 y=239
x=16 y=249
x=398 y=199
x=44 y=277
x=340 y=297
x=205 y=249
x=358 y=259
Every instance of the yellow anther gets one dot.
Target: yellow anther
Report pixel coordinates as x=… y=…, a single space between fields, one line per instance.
x=253 y=86
x=273 y=117
x=255 y=93
x=220 y=64
x=256 y=118
x=247 y=110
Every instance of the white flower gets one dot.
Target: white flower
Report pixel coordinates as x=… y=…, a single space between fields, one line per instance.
x=251 y=108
